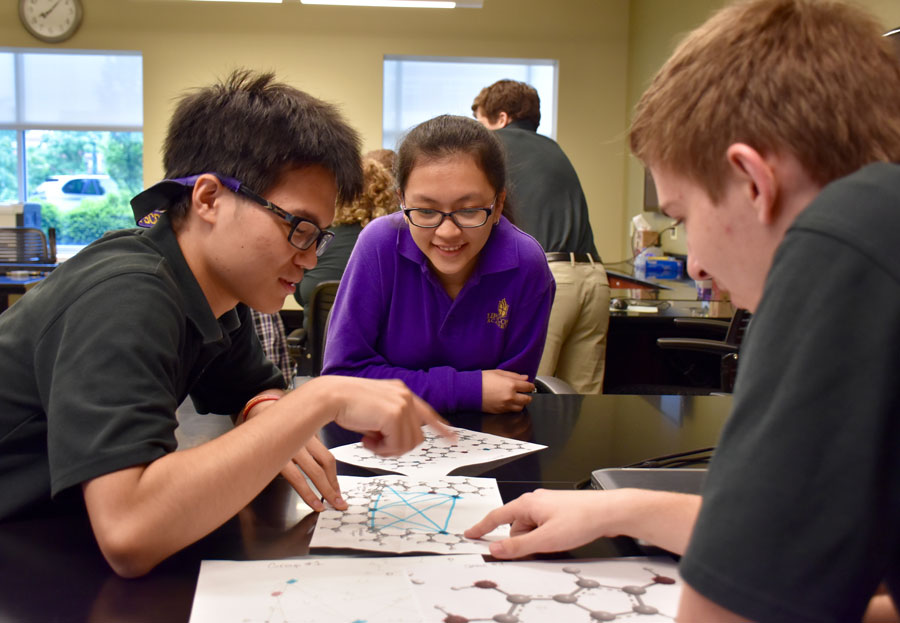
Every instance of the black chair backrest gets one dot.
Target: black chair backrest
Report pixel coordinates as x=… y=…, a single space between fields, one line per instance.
x=22 y=245
x=739 y=323
x=320 y=304
x=737 y=327
x=26 y=247
x=727 y=348
x=552 y=385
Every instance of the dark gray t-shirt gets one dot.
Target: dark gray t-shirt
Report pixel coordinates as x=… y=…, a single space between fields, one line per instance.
x=801 y=511
x=96 y=358
x=545 y=192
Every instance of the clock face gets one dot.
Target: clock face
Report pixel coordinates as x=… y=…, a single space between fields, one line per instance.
x=51 y=20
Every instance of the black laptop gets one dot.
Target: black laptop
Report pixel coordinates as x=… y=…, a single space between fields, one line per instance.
x=678 y=479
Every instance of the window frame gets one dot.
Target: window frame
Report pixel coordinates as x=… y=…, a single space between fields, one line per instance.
x=550 y=119
x=19 y=126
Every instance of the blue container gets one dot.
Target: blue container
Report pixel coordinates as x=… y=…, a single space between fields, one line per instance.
x=663 y=268
x=31 y=215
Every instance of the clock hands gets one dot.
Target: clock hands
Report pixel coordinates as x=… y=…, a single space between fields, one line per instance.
x=50 y=10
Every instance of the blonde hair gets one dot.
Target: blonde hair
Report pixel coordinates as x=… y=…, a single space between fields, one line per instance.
x=385 y=156
x=378 y=196
x=812 y=78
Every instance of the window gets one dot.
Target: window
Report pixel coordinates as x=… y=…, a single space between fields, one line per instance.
x=419 y=88
x=71 y=138
x=8 y=158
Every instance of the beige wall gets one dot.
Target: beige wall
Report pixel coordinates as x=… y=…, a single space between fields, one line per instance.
x=336 y=53
x=656 y=26
x=608 y=50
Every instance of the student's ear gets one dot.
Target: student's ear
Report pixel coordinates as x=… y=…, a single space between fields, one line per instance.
x=400 y=202
x=757 y=180
x=207 y=190
x=498 y=206
x=503 y=119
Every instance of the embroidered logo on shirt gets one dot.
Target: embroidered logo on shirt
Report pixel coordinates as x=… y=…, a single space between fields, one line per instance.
x=500 y=318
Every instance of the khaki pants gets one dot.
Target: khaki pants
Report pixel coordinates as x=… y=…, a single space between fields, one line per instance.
x=575 y=350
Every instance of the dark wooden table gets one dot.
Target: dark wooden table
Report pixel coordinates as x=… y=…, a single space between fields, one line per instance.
x=9 y=286
x=52 y=569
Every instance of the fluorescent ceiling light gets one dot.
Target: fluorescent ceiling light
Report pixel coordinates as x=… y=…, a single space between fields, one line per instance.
x=268 y=1
x=416 y=4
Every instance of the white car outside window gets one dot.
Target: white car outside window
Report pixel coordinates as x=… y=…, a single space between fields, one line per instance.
x=68 y=191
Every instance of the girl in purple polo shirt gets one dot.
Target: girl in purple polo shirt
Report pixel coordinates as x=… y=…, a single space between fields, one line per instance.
x=446 y=295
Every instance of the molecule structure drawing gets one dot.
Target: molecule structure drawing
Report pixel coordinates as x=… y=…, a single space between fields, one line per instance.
x=617 y=602
x=436 y=589
x=401 y=514
x=435 y=457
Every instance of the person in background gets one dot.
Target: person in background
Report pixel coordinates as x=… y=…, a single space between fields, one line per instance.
x=378 y=198
x=550 y=205
x=448 y=295
x=97 y=357
x=773 y=134
x=387 y=157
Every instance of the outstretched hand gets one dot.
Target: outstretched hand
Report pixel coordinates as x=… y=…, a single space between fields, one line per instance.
x=545 y=521
x=553 y=521
x=388 y=414
x=320 y=467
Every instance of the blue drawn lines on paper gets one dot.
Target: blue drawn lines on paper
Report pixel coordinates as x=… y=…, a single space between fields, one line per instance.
x=397 y=513
x=412 y=509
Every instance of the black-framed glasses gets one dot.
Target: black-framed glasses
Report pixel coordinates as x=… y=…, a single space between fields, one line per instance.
x=303 y=233
x=465 y=218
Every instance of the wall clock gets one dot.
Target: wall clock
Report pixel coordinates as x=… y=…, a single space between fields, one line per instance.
x=51 y=20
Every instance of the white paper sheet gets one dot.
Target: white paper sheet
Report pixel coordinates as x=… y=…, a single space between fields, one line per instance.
x=304 y=591
x=400 y=514
x=620 y=589
x=437 y=457
x=436 y=589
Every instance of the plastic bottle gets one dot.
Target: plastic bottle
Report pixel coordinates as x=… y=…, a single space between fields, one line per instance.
x=640 y=262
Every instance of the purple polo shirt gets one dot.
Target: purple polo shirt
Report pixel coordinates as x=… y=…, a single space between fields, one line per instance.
x=392 y=319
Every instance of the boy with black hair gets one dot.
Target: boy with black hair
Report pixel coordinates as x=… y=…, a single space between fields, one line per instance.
x=97 y=357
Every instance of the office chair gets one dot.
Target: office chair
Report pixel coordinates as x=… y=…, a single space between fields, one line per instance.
x=552 y=385
x=727 y=348
x=27 y=248
x=307 y=345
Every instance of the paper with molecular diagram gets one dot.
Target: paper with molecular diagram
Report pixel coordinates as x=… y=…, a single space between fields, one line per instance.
x=312 y=590
x=621 y=589
x=401 y=514
x=438 y=589
x=438 y=457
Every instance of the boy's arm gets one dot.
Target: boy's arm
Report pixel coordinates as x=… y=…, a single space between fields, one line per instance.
x=554 y=521
x=143 y=514
x=882 y=609
x=314 y=460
